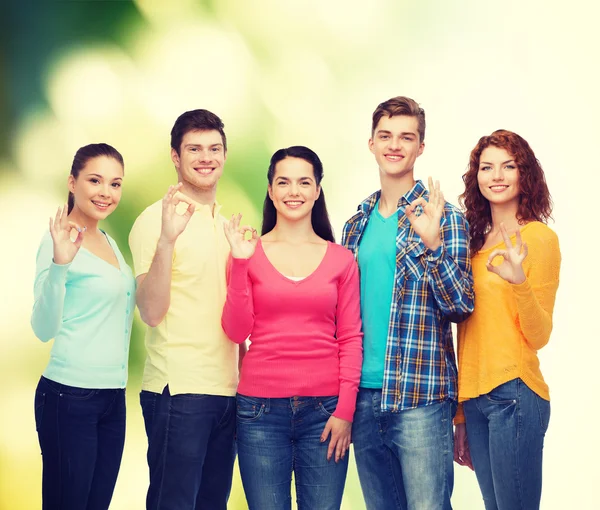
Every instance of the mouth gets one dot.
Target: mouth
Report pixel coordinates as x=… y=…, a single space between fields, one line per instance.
x=499 y=188
x=204 y=170
x=293 y=204
x=394 y=157
x=103 y=206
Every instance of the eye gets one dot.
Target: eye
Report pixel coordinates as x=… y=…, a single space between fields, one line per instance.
x=485 y=168
x=384 y=137
x=407 y=138
x=216 y=149
x=305 y=183
x=193 y=149
x=282 y=183
x=510 y=167
x=116 y=184
x=94 y=180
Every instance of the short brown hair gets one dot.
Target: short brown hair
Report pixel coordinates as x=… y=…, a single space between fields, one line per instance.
x=196 y=120
x=400 y=105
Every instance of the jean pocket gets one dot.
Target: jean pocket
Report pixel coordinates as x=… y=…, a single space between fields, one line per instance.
x=543 y=407
x=328 y=405
x=505 y=394
x=249 y=409
x=75 y=393
x=39 y=402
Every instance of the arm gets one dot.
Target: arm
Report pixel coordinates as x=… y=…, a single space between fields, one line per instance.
x=53 y=260
x=237 y=319
x=238 y=313
x=535 y=293
x=449 y=267
x=349 y=337
x=447 y=257
x=153 y=294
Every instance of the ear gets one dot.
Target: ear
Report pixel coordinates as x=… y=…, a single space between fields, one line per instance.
x=71 y=183
x=318 y=192
x=175 y=158
x=371 y=145
x=270 y=191
x=421 y=149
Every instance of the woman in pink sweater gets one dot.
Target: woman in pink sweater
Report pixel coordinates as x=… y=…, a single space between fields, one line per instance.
x=295 y=294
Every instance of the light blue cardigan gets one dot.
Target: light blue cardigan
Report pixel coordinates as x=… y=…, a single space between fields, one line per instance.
x=87 y=307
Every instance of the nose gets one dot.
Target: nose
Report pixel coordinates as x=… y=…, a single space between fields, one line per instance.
x=105 y=190
x=394 y=142
x=204 y=155
x=293 y=188
x=498 y=174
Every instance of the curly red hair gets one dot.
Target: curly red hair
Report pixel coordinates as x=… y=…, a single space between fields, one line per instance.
x=535 y=202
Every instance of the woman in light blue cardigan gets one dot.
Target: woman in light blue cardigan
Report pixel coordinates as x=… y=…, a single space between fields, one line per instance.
x=84 y=300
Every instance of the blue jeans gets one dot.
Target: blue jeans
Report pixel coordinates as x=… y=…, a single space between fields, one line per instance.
x=276 y=436
x=81 y=433
x=404 y=459
x=505 y=431
x=191 y=450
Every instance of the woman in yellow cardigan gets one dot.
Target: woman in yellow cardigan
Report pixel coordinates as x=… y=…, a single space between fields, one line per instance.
x=504 y=401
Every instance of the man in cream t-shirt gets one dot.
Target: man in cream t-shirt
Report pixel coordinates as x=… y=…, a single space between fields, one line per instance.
x=191 y=372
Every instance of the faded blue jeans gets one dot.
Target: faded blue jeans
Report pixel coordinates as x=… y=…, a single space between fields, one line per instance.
x=505 y=431
x=276 y=436
x=404 y=459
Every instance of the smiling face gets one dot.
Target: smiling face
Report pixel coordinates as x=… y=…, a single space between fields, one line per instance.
x=294 y=189
x=498 y=177
x=200 y=160
x=97 y=188
x=396 y=145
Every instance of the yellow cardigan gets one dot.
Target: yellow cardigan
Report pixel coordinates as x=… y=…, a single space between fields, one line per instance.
x=500 y=340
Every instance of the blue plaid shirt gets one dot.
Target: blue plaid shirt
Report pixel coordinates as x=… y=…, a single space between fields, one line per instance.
x=431 y=289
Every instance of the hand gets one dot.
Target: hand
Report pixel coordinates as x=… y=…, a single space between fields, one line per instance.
x=511 y=268
x=241 y=248
x=341 y=432
x=427 y=225
x=173 y=224
x=60 y=230
x=462 y=455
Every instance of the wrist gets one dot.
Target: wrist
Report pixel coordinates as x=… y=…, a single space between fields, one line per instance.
x=165 y=243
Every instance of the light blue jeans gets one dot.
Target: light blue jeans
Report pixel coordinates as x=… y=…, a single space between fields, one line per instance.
x=276 y=436
x=505 y=431
x=404 y=459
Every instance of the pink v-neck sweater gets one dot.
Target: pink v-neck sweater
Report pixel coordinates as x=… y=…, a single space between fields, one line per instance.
x=305 y=336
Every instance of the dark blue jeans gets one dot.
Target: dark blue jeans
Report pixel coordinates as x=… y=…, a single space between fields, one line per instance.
x=81 y=433
x=404 y=459
x=505 y=431
x=191 y=450
x=276 y=436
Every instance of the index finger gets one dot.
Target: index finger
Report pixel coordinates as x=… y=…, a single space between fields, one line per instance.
x=505 y=236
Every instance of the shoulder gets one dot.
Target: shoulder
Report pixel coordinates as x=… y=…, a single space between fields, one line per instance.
x=149 y=218
x=340 y=257
x=539 y=235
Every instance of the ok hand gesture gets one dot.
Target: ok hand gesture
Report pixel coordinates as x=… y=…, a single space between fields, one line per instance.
x=60 y=230
x=511 y=268
x=173 y=224
x=241 y=248
x=427 y=225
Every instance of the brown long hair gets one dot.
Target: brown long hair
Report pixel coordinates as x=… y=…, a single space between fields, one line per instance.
x=535 y=202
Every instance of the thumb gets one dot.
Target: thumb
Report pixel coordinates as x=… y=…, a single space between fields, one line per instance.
x=326 y=432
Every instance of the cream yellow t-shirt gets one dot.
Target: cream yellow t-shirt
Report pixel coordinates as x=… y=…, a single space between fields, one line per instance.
x=188 y=350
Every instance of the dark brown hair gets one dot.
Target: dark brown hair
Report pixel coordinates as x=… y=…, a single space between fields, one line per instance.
x=400 y=105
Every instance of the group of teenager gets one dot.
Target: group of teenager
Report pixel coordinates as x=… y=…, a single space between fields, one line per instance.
x=348 y=343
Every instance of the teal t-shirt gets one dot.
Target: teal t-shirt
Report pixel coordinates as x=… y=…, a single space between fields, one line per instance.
x=377 y=263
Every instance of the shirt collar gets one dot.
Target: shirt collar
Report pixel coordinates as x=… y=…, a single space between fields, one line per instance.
x=367 y=205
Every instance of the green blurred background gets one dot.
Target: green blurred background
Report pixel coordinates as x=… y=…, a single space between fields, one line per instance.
x=282 y=73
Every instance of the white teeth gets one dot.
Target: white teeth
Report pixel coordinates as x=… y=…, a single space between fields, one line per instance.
x=205 y=171
x=293 y=203
x=393 y=158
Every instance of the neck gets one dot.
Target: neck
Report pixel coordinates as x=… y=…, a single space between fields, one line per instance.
x=504 y=213
x=202 y=196
x=392 y=189
x=293 y=232
x=91 y=224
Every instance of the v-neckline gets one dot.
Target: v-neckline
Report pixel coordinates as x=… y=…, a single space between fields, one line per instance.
x=281 y=275
x=119 y=267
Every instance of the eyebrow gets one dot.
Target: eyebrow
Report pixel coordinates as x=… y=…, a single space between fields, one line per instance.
x=300 y=178
x=200 y=145
x=504 y=162
x=102 y=177
x=386 y=132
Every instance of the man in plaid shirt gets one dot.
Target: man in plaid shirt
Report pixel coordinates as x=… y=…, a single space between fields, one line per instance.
x=412 y=249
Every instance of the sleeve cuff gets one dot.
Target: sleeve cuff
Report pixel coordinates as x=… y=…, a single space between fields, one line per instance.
x=434 y=256
x=57 y=273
